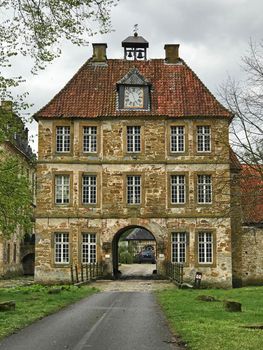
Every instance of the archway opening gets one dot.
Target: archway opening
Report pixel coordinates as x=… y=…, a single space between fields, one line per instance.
x=134 y=253
x=28 y=263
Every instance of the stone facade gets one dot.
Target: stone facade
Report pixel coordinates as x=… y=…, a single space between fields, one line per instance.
x=111 y=213
x=175 y=97
x=251 y=270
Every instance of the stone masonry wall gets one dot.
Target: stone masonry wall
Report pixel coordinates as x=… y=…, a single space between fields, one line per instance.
x=111 y=214
x=252 y=255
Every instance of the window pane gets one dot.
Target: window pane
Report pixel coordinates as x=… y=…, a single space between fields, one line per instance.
x=62 y=138
x=177 y=189
x=88 y=248
x=90 y=139
x=134 y=189
x=204 y=189
x=133 y=138
x=177 y=139
x=178 y=247
x=203 y=139
x=62 y=189
x=205 y=247
x=61 y=248
x=89 y=189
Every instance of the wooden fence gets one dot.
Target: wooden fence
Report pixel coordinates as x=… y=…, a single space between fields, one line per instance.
x=86 y=273
x=175 y=272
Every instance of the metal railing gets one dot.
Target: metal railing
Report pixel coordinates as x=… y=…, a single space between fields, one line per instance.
x=175 y=272
x=86 y=273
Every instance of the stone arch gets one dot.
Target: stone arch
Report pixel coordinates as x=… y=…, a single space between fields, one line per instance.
x=153 y=229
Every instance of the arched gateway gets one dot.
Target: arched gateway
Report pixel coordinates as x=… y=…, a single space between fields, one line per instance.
x=115 y=245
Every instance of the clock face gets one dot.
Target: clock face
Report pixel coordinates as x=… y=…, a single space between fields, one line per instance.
x=133 y=97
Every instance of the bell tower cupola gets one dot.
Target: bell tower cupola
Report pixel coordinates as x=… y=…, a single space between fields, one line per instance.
x=135 y=47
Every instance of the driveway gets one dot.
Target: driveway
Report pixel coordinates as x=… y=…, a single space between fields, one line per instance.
x=105 y=321
x=145 y=270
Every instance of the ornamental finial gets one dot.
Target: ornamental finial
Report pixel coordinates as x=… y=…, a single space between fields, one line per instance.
x=135 y=29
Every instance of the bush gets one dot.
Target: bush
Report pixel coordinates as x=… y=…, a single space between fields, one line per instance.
x=125 y=258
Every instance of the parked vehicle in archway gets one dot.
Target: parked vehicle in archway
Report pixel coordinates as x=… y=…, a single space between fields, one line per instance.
x=146 y=256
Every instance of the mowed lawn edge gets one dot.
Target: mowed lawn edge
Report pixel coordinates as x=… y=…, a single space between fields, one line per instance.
x=206 y=325
x=35 y=302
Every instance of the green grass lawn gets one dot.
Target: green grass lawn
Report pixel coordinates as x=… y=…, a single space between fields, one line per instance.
x=34 y=302
x=206 y=325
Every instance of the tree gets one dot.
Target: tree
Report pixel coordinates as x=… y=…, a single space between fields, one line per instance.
x=36 y=29
x=245 y=100
x=15 y=188
x=15 y=199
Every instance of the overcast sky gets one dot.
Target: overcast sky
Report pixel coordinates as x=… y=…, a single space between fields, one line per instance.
x=213 y=35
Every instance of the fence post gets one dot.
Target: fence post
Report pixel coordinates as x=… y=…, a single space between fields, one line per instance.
x=81 y=273
x=72 y=274
x=77 y=275
x=87 y=272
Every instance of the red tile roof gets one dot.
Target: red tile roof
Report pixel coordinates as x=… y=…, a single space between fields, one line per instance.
x=252 y=194
x=176 y=91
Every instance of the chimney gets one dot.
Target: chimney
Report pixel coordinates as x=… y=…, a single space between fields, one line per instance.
x=171 y=53
x=7 y=106
x=99 y=53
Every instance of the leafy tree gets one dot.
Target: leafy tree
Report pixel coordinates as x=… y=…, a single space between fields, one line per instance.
x=15 y=198
x=15 y=189
x=245 y=100
x=36 y=29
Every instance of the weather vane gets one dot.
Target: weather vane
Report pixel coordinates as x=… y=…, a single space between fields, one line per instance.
x=135 y=29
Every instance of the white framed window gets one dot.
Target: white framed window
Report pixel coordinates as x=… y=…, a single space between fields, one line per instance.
x=178 y=240
x=177 y=142
x=133 y=139
x=61 y=245
x=133 y=189
x=90 y=139
x=205 y=247
x=88 y=248
x=178 y=189
x=204 y=189
x=62 y=189
x=204 y=138
x=89 y=189
x=63 y=138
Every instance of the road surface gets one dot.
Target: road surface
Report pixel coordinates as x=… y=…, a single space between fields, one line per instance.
x=104 y=321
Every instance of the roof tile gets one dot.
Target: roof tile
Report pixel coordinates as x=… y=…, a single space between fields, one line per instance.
x=176 y=91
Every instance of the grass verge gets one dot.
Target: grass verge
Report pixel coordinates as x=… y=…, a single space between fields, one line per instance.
x=34 y=302
x=206 y=325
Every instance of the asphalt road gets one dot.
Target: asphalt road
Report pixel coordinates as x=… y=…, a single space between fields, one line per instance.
x=104 y=321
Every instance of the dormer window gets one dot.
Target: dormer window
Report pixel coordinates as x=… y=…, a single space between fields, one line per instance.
x=133 y=92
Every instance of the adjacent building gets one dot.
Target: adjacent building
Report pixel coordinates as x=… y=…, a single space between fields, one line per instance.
x=17 y=252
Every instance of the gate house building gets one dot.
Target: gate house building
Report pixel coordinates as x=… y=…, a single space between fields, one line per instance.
x=134 y=142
